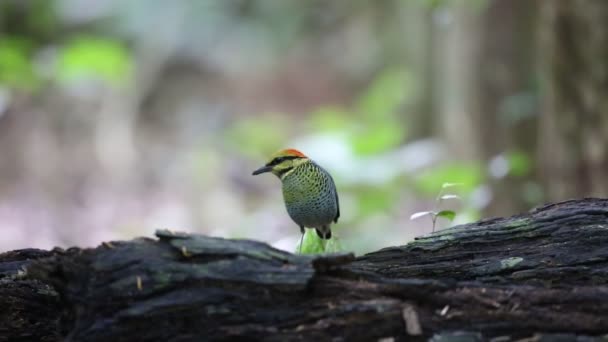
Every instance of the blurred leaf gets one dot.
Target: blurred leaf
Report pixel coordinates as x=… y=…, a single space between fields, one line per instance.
x=16 y=69
x=519 y=164
x=450 y=185
x=378 y=138
x=468 y=215
x=42 y=17
x=468 y=175
x=382 y=128
x=333 y=245
x=421 y=214
x=388 y=91
x=330 y=119
x=97 y=58
x=376 y=199
x=448 y=214
x=447 y=197
x=312 y=243
x=258 y=136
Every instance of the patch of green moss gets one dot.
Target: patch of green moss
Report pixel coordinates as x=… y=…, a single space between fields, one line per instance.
x=510 y=262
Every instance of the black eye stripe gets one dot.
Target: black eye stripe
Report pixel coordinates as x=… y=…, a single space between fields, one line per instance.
x=279 y=160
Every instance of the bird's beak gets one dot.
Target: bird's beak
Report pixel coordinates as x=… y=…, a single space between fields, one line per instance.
x=262 y=170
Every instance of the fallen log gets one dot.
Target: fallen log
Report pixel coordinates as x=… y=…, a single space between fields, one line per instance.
x=541 y=275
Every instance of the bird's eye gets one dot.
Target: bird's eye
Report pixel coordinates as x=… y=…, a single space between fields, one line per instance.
x=276 y=161
x=279 y=160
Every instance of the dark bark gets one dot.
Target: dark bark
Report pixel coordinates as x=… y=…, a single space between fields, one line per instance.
x=29 y=308
x=543 y=272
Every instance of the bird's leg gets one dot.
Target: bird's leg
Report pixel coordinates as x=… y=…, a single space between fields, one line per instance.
x=301 y=239
x=326 y=236
x=301 y=242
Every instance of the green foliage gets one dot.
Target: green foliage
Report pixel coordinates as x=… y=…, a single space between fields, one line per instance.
x=467 y=175
x=39 y=25
x=42 y=17
x=16 y=69
x=373 y=126
x=97 y=58
x=376 y=199
x=378 y=137
x=378 y=108
x=434 y=214
x=37 y=19
x=330 y=119
x=258 y=136
x=386 y=94
x=333 y=245
x=447 y=214
x=450 y=185
x=312 y=244
x=469 y=214
x=519 y=163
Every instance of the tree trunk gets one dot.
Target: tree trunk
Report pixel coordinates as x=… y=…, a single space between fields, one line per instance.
x=574 y=123
x=507 y=120
x=543 y=273
x=456 y=40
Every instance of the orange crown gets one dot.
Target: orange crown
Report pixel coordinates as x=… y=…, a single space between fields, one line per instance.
x=293 y=152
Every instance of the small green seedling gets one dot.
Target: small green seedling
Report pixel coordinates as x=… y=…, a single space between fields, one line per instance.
x=437 y=212
x=312 y=244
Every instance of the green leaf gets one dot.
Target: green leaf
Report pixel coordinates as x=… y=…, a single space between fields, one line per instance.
x=16 y=69
x=376 y=199
x=448 y=214
x=258 y=136
x=386 y=93
x=312 y=243
x=333 y=245
x=92 y=57
x=330 y=119
x=421 y=214
x=450 y=185
x=377 y=138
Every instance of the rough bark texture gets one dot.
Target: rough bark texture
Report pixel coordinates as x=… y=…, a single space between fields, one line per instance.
x=29 y=308
x=540 y=274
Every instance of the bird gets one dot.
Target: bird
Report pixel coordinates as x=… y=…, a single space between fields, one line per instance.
x=309 y=191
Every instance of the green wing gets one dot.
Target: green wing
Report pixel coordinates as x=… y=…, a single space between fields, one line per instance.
x=338 y=206
x=335 y=190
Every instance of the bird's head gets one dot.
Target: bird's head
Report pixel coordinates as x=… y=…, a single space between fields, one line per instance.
x=282 y=162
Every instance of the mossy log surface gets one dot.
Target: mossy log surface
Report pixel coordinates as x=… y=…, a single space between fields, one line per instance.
x=543 y=274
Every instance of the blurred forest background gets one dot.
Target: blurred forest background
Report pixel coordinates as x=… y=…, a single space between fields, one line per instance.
x=118 y=117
